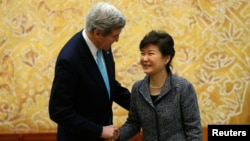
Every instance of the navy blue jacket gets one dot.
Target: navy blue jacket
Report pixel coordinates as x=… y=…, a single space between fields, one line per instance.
x=79 y=102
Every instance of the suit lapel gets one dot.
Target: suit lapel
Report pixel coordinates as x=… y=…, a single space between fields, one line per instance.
x=91 y=66
x=144 y=91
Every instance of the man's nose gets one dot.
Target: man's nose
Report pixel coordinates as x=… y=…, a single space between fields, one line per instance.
x=117 y=39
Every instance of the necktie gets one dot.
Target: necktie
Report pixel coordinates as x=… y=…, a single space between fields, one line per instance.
x=102 y=69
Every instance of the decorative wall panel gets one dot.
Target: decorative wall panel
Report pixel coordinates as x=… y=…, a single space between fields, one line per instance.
x=212 y=41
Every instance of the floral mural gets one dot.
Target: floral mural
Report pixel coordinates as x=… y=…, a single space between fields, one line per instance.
x=212 y=42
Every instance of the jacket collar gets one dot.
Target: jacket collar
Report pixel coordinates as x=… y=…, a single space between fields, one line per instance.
x=144 y=89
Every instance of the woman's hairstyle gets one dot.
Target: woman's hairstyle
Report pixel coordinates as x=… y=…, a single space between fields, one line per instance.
x=163 y=41
x=104 y=17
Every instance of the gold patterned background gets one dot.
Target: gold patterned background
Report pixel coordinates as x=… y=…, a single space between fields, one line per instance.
x=212 y=41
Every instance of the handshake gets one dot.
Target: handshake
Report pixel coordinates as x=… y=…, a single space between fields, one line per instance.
x=110 y=133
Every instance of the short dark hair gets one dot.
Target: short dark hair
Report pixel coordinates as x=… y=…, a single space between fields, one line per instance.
x=163 y=41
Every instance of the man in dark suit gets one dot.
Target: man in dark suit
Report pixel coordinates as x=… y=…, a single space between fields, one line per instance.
x=80 y=102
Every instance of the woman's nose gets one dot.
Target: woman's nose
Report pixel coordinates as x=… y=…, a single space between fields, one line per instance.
x=144 y=58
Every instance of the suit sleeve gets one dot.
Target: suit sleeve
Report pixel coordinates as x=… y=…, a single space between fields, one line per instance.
x=122 y=96
x=132 y=125
x=61 y=103
x=191 y=114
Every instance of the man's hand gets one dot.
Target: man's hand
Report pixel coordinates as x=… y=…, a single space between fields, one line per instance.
x=110 y=133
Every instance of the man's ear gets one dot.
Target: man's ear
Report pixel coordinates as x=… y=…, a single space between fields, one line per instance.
x=97 y=32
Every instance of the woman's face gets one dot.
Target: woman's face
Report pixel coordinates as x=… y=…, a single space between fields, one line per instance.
x=152 y=60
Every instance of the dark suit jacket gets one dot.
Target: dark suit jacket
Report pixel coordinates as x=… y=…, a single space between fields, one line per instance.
x=79 y=102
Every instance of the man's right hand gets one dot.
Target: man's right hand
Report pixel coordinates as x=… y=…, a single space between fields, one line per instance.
x=108 y=132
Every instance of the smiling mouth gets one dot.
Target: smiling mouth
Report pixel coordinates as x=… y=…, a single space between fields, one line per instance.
x=146 y=65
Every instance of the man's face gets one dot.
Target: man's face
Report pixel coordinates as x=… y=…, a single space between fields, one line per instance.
x=105 y=42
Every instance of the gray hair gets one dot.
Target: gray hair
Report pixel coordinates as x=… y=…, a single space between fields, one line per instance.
x=104 y=17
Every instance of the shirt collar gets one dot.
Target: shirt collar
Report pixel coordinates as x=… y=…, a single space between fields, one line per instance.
x=91 y=46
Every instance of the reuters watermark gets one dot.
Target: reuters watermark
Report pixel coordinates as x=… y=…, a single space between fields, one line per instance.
x=234 y=132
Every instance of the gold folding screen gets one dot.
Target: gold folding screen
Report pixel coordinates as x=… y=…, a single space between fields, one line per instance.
x=212 y=41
